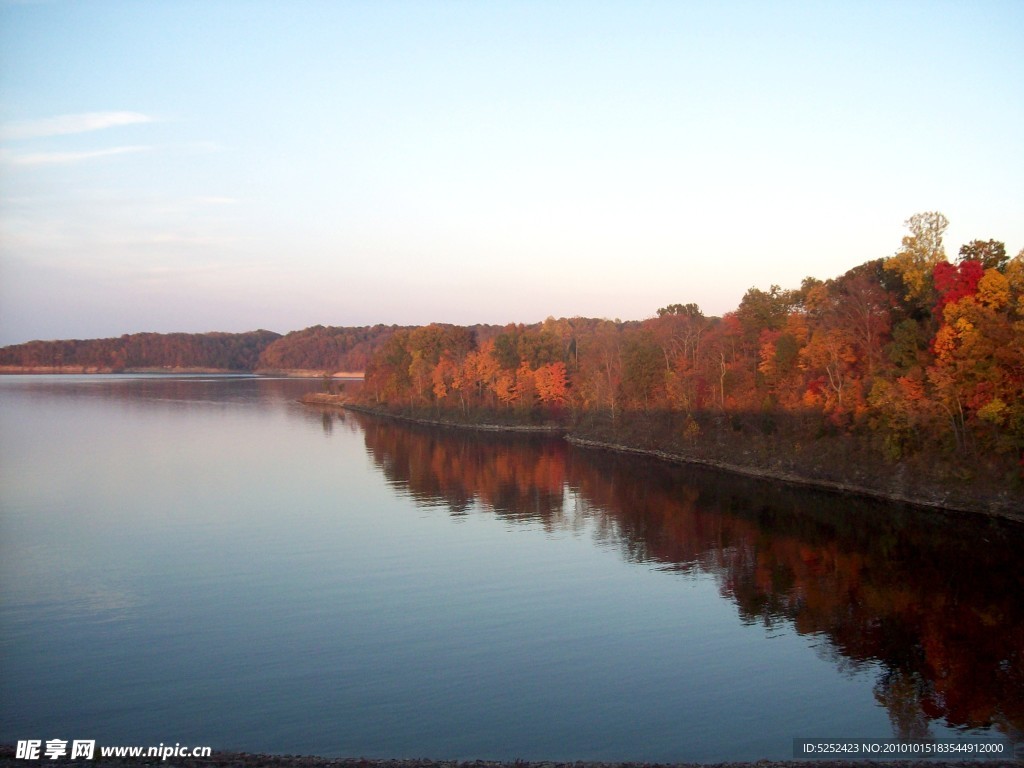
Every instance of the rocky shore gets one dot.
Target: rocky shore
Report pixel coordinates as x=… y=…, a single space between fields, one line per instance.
x=1007 y=508
x=340 y=401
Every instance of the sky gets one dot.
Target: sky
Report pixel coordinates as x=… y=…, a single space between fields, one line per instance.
x=223 y=165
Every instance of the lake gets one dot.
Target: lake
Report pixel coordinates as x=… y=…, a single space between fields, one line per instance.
x=200 y=559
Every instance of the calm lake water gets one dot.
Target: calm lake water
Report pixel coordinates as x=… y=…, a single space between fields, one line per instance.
x=202 y=560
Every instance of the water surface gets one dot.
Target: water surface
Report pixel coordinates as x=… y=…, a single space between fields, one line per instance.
x=202 y=560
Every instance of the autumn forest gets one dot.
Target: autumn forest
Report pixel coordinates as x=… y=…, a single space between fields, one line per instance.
x=906 y=372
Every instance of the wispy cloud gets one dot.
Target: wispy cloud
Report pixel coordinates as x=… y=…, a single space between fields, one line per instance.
x=64 y=158
x=67 y=124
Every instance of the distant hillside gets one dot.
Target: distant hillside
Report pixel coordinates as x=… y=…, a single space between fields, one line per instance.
x=327 y=348
x=316 y=349
x=218 y=351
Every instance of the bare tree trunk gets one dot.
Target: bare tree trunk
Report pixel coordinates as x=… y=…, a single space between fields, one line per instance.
x=721 y=379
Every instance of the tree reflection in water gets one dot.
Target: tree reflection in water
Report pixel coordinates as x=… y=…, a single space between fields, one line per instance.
x=933 y=600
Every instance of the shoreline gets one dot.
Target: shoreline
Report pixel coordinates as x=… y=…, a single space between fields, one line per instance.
x=791 y=478
x=553 y=430
x=932 y=503
x=92 y=370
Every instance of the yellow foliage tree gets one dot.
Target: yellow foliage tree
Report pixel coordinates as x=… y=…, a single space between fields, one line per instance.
x=922 y=250
x=994 y=289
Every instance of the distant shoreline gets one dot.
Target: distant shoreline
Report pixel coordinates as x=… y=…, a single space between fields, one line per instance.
x=90 y=370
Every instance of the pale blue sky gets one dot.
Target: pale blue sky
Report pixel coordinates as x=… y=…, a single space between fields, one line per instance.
x=231 y=165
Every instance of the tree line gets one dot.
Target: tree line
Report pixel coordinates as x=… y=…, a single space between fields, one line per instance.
x=318 y=348
x=333 y=348
x=221 y=351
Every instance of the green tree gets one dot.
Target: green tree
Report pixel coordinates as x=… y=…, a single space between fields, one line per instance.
x=991 y=253
x=643 y=374
x=764 y=311
x=684 y=310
